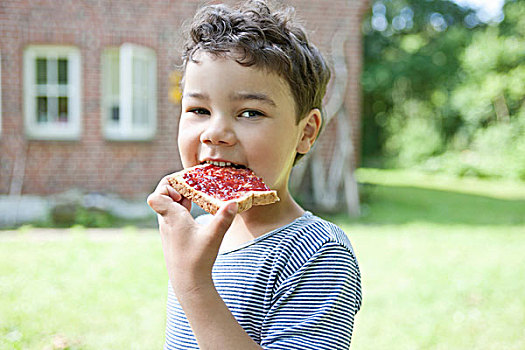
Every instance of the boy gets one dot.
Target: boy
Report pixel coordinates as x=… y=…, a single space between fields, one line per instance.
x=275 y=276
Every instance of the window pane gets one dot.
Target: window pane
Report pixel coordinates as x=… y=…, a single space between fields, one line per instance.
x=41 y=71
x=62 y=109
x=41 y=110
x=137 y=112
x=52 y=109
x=115 y=113
x=140 y=86
x=52 y=68
x=111 y=83
x=62 y=71
x=114 y=72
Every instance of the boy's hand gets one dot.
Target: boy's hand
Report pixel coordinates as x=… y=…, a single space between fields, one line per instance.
x=189 y=249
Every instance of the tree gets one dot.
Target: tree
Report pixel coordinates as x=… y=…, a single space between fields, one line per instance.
x=442 y=90
x=412 y=51
x=490 y=99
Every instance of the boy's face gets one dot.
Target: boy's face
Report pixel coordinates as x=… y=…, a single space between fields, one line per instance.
x=241 y=115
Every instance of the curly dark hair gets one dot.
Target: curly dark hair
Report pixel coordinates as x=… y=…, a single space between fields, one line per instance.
x=254 y=35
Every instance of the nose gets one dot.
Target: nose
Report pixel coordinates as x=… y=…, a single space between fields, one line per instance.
x=218 y=131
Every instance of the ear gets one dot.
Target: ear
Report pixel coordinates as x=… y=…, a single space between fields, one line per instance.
x=310 y=126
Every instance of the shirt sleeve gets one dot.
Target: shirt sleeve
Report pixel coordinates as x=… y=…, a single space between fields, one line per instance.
x=314 y=308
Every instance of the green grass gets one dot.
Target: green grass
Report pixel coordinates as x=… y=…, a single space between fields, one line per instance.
x=427 y=286
x=107 y=294
x=442 y=264
x=401 y=197
x=469 y=185
x=442 y=261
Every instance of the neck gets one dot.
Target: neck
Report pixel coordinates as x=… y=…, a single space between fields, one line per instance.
x=259 y=220
x=273 y=215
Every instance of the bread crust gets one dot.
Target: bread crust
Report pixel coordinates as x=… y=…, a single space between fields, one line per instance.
x=212 y=204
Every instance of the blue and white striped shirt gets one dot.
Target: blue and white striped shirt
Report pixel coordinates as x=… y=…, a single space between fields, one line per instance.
x=297 y=287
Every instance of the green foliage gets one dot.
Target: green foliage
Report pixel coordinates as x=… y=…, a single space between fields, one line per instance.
x=67 y=215
x=444 y=94
x=411 y=66
x=497 y=150
x=414 y=133
x=89 y=217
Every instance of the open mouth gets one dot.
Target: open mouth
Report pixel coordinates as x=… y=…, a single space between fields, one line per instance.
x=224 y=164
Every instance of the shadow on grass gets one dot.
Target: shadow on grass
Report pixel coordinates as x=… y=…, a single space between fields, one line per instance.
x=401 y=205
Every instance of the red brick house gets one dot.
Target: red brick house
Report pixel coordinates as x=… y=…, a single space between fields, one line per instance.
x=85 y=89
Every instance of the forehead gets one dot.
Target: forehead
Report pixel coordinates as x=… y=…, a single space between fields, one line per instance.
x=209 y=71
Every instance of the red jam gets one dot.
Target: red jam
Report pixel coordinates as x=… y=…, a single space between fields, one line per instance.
x=224 y=183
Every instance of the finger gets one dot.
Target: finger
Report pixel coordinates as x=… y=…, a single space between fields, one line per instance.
x=186 y=203
x=163 y=182
x=161 y=200
x=161 y=187
x=222 y=221
x=176 y=196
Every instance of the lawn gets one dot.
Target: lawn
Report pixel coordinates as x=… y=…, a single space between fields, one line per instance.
x=83 y=290
x=427 y=286
x=442 y=263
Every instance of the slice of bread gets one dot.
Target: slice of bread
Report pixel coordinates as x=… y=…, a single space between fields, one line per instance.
x=212 y=203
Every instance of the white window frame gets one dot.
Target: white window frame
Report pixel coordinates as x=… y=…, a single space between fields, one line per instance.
x=70 y=130
x=126 y=129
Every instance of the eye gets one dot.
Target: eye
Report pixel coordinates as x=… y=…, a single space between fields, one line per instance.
x=199 y=111
x=249 y=114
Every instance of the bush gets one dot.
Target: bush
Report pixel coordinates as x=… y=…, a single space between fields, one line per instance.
x=496 y=151
x=413 y=134
x=67 y=215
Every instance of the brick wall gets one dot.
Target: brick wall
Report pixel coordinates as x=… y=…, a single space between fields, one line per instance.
x=93 y=163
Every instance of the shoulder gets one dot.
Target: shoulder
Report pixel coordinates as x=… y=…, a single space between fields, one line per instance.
x=316 y=256
x=312 y=238
x=312 y=233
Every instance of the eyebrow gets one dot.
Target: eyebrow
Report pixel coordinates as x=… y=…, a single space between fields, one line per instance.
x=197 y=95
x=241 y=96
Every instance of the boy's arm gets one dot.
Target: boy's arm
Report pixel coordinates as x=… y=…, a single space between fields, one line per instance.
x=212 y=322
x=190 y=251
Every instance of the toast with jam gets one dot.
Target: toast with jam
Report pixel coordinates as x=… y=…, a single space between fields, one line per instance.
x=212 y=186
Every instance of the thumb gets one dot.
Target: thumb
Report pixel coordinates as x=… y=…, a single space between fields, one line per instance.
x=222 y=221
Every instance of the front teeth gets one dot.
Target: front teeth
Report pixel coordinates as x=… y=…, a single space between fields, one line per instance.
x=218 y=163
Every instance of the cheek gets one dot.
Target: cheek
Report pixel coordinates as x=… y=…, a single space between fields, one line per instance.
x=181 y=137
x=284 y=141
x=275 y=150
x=185 y=143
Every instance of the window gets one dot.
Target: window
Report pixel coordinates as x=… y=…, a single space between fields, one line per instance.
x=52 y=92
x=129 y=93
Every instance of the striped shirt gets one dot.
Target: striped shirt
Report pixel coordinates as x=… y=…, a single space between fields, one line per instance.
x=297 y=287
